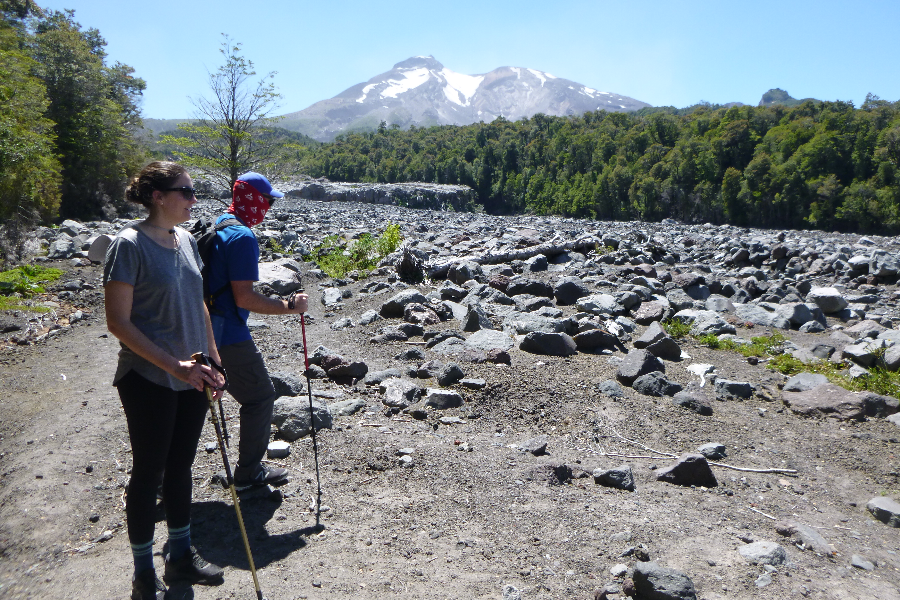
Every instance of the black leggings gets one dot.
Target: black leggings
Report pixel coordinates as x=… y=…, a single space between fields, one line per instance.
x=164 y=427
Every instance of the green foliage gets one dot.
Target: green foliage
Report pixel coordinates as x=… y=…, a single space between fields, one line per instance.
x=676 y=328
x=761 y=346
x=274 y=246
x=879 y=380
x=29 y=169
x=231 y=132
x=822 y=164
x=95 y=111
x=25 y=280
x=336 y=257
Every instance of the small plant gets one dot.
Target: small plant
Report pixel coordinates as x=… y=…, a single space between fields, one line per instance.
x=676 y=328
x=26 y=280
x=274 y=246
x=337 y=258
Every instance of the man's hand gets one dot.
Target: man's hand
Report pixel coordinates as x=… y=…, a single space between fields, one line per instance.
x=298 y=304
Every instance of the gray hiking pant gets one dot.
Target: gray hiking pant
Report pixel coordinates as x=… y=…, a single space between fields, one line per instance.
x=250 y=385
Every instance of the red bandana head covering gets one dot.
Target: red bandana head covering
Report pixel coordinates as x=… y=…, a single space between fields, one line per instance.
x=248 y=204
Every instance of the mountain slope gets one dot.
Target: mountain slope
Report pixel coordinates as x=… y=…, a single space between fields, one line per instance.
x=421 y=91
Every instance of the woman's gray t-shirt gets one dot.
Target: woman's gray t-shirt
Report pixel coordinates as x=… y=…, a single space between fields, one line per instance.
x=168 y=299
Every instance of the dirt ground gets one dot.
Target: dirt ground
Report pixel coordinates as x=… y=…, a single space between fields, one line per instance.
x=458 y=523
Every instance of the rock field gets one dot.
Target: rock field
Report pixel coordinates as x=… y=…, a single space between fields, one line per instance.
x=514 y=424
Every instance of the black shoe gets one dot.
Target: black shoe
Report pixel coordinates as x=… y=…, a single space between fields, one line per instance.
x=147 y=586
x=191 y=568
x=246 y=477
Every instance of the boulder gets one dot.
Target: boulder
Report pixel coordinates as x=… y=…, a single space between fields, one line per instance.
x=727 y=389
x=569 y=290
x=592 y=339
x=291 y=416
x=763 y=553
x=394 y=307
x=442 y=399
x=828 y=299
x=620 y=478
x=802 y=382
x=637 y=363
x=550 y=344
x=826 y=400
x=886 y=510
x=655 y=384
x=689 y=469
x=399 y=393
x=693 y=400
x=653 y=582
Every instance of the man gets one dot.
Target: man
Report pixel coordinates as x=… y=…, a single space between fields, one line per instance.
x=234 y=267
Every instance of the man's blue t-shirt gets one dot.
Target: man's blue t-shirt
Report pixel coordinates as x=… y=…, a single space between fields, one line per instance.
x=235 y=257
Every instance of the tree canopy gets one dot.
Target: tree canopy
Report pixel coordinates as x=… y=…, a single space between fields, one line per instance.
x=818 y=164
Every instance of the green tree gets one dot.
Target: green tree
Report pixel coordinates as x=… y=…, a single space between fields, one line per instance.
x=228 y=136
x=29 y=169
x=94 y=109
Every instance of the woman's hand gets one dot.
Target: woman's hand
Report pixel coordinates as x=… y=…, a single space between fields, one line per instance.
x=199 y=376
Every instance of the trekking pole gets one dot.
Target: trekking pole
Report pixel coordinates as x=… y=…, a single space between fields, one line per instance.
x=312 y=424
x=202 y=359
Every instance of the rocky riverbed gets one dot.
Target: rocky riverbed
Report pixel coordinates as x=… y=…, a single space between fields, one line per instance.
x=516 y=424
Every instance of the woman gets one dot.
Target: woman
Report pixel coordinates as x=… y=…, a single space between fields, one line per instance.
x=154 y=306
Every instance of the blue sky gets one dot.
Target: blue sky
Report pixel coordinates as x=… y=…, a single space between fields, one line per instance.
x=660 y=52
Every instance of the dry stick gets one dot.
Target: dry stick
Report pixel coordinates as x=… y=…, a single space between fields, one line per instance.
x=762 y=513
x=716 y=464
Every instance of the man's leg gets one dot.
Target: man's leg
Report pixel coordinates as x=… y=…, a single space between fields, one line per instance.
x=250 y=385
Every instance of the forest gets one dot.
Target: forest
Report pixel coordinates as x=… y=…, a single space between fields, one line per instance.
x=71 y=133
x=823 y=165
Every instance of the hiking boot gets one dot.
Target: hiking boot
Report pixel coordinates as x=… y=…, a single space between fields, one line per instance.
x=248 y=477
x=191 y=568
x=147 y=586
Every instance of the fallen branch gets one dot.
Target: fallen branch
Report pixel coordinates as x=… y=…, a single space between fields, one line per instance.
x=749 y=470
x=762 y=513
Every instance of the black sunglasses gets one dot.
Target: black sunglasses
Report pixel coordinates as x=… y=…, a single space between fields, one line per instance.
x=269 y=199
x=186 y=192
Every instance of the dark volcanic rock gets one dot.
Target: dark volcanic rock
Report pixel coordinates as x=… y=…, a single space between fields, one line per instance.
x=637 y=363
x=689 y=469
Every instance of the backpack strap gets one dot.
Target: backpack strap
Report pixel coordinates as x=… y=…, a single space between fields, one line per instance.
x=213 y=296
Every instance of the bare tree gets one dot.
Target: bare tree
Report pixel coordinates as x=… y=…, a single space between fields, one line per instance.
x=231 y=131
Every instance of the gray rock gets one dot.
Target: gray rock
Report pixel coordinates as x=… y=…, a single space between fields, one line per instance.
x=651 y=335
x=341 y=324
x=600 y=304
x=281 y=275
x=876 y=405
x=345 y=408
x=287 y=384
x=620 y=478
x=666 y=349
x=523 y=285
x=689 y=469
x=442 y=399
x=693 y=400
x=826 y=400
x=649 y=312
x=812 y=539
x=758 y=315
x=886 y=510
x=476 y=319
x=536 y=263
x=522 y=323
x=882 y=264
x=727 y=389
x=611 y=389
x=551 y=473
x=802 y=382
x=655 y=384
x=812 y=327
x=569 y=290
x=763 y=553
x=796 y=313
x=351 y=370
x=713 y=451
x=536 y=445
x=511 y=592
x=828 y=299
x=376 y=377
x=411 y=354
x=488 y=339
x=637 y=363
x=653 y=582
x=394 y=307
x=861 y=563
x=549 y=344
x=331 y=296
x=450 y=374
x=473 y=383
x=892 y=358
x=399 y=393
x=590 y=340
x=291 y=417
